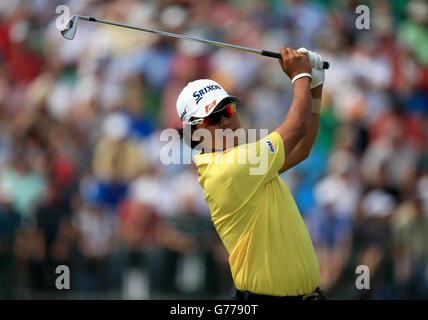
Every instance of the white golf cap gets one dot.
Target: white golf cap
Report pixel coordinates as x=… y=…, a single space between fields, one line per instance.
x=199 y=99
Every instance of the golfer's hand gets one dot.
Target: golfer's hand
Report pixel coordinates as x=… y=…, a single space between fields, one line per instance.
x=294 y=63
x=317 y=62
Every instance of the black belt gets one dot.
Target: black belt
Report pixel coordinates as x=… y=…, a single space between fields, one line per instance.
x=246 y=295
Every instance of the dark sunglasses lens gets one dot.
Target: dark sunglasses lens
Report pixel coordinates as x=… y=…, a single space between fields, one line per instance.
x=215 y=117
x=229 y=110
x=212 y=119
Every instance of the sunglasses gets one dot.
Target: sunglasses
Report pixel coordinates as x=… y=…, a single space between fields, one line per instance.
x=214 y=118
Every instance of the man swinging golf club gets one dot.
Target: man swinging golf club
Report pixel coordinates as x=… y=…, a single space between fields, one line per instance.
x=270 y=251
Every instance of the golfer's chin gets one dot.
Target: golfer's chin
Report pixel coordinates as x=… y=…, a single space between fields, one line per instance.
x=230 y=142
x=231 y=138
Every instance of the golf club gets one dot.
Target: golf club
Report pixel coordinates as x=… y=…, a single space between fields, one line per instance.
x=70 y=31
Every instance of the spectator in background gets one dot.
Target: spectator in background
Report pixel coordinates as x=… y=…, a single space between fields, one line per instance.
x=116 y=159
x=372 y=238
x=144 y=232
x=140 y=124
x=10 y=222
x=390 y=155
x=196 y=270
x=31 y=274
x=410 y=227
x=24 y=185
x=330 y=221
x=49 y=215
x=96 y=241
x=332 y=233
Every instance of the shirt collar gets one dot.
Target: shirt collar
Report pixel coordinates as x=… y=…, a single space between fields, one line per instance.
x=204 y=158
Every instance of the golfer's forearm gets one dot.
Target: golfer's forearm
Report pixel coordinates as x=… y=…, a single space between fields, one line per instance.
x=298 y=116
x=305 y=145
x=303 y=148
x=296 y=123
x=316 y=93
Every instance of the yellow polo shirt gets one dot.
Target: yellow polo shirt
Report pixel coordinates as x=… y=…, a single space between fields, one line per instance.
x=257 y=219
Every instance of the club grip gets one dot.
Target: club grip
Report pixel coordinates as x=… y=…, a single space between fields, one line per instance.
x=276 y=55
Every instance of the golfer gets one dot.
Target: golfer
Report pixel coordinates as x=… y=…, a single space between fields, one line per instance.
x=270 y=251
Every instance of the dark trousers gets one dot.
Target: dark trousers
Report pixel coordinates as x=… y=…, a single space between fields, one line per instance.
x=317 y=294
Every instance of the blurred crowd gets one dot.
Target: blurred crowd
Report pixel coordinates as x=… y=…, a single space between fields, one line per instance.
x=82 y=184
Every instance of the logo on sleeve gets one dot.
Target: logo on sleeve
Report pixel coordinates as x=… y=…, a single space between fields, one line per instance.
x=271 y=148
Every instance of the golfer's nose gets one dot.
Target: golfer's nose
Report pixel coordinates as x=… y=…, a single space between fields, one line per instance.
x=224 y=122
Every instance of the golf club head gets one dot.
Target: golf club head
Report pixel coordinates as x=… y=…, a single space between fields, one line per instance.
x=70 y=30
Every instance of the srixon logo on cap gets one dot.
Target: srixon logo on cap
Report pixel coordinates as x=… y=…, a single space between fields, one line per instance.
x=210 y=106
x=198 y=94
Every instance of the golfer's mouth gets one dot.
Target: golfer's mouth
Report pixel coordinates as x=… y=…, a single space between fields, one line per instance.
x=227 y=132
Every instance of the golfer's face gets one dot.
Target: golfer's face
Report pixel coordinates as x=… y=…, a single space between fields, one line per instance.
x=223 y=135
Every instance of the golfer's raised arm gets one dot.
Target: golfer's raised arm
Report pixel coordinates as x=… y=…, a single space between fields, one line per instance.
x=296 y=123
x=302 y=150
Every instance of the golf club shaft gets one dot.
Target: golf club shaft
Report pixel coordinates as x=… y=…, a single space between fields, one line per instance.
x=179 y=36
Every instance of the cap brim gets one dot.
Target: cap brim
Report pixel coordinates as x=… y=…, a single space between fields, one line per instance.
x=201 y=113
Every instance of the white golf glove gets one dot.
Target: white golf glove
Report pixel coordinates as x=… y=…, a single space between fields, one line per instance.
x=317 y=63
